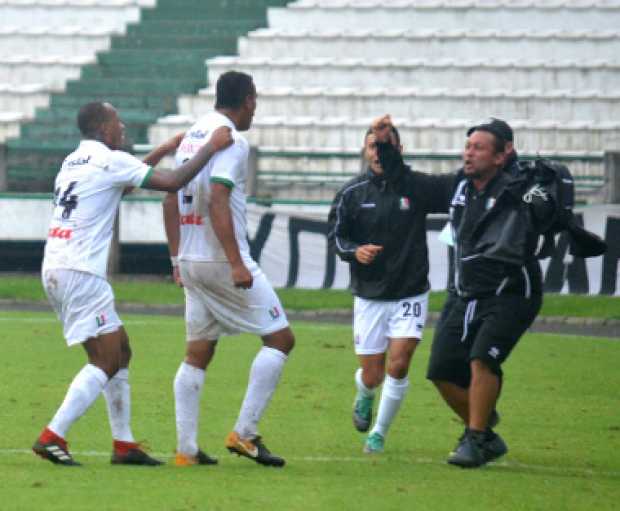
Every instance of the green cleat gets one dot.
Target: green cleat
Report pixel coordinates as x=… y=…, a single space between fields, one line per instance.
x=362 y=412
x=374 y=444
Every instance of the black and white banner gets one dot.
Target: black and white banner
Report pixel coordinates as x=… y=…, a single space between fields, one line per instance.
x=291 y=245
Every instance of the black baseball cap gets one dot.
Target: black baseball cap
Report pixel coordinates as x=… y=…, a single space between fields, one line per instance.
x=497 y=127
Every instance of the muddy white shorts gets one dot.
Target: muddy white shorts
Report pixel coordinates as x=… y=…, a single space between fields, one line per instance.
x=214 y=306
x=377 y=321
x=83 y=302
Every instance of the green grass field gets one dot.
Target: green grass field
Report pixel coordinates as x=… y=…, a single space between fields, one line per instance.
x=560 y=416
x=156 y=291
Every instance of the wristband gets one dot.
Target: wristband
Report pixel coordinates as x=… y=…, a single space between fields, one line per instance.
x=174 y=260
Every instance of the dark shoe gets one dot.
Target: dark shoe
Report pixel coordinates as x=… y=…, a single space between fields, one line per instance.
x=50 y=446
x=469 y=453
x=253 y=449
x=362 y=412
x=131 y=453
x=201 y=458
x=493 y=446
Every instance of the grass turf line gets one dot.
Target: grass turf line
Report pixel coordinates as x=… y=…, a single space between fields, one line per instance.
x=559 y=409
x=163 y=292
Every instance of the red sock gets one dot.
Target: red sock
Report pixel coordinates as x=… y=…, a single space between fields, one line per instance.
x=48 y=436
x=121 y=447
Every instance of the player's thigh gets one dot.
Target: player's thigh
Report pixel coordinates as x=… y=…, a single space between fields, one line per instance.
x=407 y=317
x=255 y=310
x=449 y=358
x=504 y=320
x=370 y=326
x=200 y=323
x=83 y=302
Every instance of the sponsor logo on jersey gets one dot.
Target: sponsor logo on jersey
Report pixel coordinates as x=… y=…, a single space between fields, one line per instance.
x=58 y=232
x=368 y=205
x=197 y=134
x=404 y=204
x=100 y=320
x=274 y=312
x=191 y=220
x=78 y=161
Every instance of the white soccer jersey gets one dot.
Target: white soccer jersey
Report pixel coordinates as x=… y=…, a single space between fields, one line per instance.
x=87 y=192
x=230 y=167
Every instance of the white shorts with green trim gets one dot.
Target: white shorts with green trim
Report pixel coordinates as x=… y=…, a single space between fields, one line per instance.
x=83 y=302
x=215 y=307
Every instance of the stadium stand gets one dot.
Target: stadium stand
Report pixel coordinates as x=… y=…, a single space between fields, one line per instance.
x=138 y=54
x=324 y=68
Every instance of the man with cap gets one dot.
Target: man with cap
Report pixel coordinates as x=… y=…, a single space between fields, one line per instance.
x=495 y=223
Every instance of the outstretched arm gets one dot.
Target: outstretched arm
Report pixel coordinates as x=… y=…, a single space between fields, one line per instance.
x=173 y=181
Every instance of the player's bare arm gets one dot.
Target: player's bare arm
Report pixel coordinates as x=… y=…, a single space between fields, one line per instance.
x=173 y=181
x=173 y=233
x=222 y=222
x=162 y=150
x=366 y=254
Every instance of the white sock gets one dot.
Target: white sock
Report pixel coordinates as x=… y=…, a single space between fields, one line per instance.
x=84 y=389
x=264 y=376
x=188 y=385
x=362 y=390
x=117 y=395
x=392 y=396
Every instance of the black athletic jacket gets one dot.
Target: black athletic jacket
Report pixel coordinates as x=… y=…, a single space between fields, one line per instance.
x=496 y=233
x=391 y=213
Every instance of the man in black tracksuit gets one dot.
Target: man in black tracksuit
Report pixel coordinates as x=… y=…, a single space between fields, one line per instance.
x=377 y=224
x=496 y=218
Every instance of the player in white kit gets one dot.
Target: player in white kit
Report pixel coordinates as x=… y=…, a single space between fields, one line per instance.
x=225 y=290
x=87 y=193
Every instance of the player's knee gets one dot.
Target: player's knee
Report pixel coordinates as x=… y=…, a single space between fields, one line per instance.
x=283 y=340
x=125 y=353
x=482 y=368
x=199 y=354
x=373 y=376
x=399 y=369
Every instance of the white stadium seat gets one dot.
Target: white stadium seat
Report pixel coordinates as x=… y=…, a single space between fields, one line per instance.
x=449 y=14
x=535 y=104
x=432 y=44
x=421 y=135
x=600 y=74
x=325 y=68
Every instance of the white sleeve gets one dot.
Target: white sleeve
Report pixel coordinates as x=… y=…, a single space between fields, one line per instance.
x=127 y=170
x=227 y=165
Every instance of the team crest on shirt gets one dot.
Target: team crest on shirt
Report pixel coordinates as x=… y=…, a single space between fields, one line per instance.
x=100 y=320
x=274 y=312
x=404 y=204
x=490 y=203
x=494 y=352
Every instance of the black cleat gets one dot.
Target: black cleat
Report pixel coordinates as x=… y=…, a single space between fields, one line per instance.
x=493 y=446
x=56 y=452
x=470 y=451
x=134 y=455
x=253 y=449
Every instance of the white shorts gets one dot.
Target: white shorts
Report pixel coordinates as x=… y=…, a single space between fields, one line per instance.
x=377 y=321
x=214 y=306
x=83 y=302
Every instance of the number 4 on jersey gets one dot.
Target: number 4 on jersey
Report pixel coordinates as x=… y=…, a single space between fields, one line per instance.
x=67 y=201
